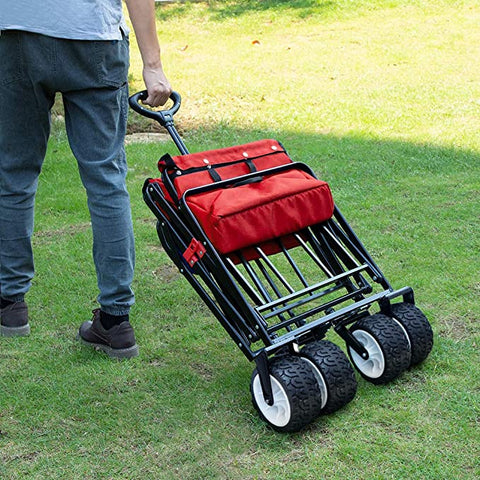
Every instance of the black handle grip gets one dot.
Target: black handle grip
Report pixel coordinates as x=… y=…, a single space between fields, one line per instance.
x=164 y=117
x=247 y=181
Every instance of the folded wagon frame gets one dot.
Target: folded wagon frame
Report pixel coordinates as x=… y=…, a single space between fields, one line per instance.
x=278 y=297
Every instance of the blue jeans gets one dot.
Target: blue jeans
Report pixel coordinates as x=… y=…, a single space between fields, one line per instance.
x=92 y=78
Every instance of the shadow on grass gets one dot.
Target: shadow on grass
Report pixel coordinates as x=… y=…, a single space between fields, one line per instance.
x=222 y=10
x=367 y=155
x=415 y=206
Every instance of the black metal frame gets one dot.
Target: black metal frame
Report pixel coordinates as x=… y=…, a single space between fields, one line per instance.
x=257 y=305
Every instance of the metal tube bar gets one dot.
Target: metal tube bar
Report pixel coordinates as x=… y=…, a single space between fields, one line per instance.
x=312 y=288
x=294 y=266
x=274 y=270
x=273 y=286
x=362 y=304
x=311 y=312
x=342 y=247
x=255 y=279
x=268 y=278
x=244 y=283
x=304 y=301
x=313 y=256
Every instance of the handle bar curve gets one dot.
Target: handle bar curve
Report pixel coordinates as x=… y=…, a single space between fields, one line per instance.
x=164 y=117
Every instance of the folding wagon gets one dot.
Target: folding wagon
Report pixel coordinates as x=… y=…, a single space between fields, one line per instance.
x=261 y=241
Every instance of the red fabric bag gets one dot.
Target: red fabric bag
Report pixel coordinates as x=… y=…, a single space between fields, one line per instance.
x=235 y=217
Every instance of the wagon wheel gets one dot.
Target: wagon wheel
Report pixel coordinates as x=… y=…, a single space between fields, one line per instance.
x=387 y=346
x=335 y=376
x=296 y=399
x=418 y=330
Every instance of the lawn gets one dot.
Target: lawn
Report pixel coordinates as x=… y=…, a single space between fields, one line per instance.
x=381 y=99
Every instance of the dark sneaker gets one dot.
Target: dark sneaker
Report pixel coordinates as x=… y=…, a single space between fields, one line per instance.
x=116 y=342
x=14 y=320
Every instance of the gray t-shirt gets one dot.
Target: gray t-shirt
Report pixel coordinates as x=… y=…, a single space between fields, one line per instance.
x=73 y=19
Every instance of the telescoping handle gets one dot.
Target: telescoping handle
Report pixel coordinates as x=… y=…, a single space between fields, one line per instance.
x=163 y=117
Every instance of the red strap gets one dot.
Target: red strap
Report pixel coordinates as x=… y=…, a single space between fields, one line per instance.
x=194 y=252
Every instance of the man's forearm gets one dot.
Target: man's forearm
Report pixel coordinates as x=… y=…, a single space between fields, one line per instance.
x=142 y=16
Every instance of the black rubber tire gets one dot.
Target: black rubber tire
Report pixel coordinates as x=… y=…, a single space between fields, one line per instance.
x=337 y=374
x=297 y=379
x=393 y=343
x=418 y=329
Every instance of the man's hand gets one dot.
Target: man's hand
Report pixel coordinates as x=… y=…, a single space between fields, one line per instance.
x=158 y=87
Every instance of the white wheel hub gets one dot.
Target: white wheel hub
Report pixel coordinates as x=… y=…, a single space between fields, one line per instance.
x=279 y=413
x=374 y=365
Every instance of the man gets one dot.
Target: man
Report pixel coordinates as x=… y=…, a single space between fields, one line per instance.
x=80 y=49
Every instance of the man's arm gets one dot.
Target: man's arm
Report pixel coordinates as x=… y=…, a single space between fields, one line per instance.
x=142 y=16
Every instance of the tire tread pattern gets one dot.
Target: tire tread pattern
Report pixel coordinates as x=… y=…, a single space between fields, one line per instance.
x=418 y=329
x=337 y=373
x=393 y=342
x=298 y=380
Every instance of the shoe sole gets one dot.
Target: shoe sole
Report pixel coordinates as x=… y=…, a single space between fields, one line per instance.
x=120 y=353
x=22 y=331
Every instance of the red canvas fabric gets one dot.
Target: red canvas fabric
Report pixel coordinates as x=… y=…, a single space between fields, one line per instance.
x=270 y=247
x=227 y=162
x=237 y=217
x=284 y=203
x=165 y=193
x=230 y=155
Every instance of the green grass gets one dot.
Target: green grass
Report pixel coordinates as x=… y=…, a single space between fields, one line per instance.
x=381 y=98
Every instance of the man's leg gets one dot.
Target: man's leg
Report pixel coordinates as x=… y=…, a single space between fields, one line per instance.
x=24 y=131
x=96 y=137
x=96 y=118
